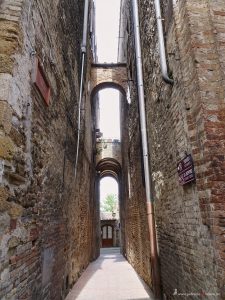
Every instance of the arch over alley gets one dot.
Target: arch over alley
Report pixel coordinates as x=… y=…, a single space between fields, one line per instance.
x=109 y=167
x=108 y=76
x=50 y=85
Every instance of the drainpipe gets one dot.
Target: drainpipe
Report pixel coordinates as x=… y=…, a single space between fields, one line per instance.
x=83 y=50
x=149 y=196
x=162 y=52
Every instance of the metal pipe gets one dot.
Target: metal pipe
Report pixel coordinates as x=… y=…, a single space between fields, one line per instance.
x=79 y=115
x=85 y=27
x=162 y=51
x=83 y=50
x=149 y=195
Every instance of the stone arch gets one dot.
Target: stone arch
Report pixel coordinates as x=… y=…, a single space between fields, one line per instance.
x=109 y=167
x=108 y=76
x=106 y=85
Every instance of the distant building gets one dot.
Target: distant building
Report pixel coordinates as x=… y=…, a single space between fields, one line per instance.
x=110 y=229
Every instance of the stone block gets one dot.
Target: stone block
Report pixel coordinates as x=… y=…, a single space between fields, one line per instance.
x=10 y=42
x=15 y=210
x=4 y=221
x=13 y=242
x=5 y=83
x=6 y=63
x=7 y=148
x=5 y=275
x=5 y=116
x=4 y=205
x=10 y=37
x=11 y=10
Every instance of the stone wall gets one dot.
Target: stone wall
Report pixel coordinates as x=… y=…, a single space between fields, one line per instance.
x=108 y=148
x=134 y=225
x=187 y=117
x=108 y=75
x=45 y=212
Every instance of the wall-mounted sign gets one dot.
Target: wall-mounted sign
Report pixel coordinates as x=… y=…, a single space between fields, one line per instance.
x=186 y=171
x=41 y=83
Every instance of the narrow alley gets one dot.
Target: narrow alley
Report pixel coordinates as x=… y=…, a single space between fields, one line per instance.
x=110 y=277
x=112 y=149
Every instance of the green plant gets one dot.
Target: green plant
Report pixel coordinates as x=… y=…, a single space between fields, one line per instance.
x=110 y=203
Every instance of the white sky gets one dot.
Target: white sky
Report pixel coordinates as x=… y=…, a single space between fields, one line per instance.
x=107 y=33
x=107 y=29
x=109 y=113
x=108 y=185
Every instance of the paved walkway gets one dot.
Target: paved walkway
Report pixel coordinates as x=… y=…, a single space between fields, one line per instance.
x=110 y=277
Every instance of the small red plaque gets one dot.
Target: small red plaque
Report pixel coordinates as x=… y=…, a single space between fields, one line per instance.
x=41 y=83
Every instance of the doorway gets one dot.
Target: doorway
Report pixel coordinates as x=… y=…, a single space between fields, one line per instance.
x=107 y=236
x=109 y=212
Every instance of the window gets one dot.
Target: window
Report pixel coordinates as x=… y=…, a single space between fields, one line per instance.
x=107 y=232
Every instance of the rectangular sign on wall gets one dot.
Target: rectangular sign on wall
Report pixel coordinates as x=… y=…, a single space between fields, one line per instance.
x=41 y=83
x=186 y=171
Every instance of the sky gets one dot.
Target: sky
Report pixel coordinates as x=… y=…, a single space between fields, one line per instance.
x=109 y=113
x=107 y=29
x=107 y=33
x=108 y=185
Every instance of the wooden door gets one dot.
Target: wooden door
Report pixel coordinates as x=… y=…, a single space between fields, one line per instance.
x=107 y=236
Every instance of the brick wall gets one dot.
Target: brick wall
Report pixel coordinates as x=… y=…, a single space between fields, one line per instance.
x=134 y=226
x=108 y=148
x=185 y=118
x=107 y=75
x=45 y=220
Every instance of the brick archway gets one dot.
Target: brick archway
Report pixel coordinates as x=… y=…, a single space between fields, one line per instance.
x=109 y=167
x=108 y=76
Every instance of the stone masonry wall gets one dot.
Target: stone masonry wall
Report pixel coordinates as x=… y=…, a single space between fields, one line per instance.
x=45 y=212
x=187 y=117
x=107 y=75
x=108 y=148
x=137 y=246
x=135 y=236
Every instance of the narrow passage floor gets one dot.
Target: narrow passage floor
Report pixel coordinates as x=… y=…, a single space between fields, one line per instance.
x=110 y=277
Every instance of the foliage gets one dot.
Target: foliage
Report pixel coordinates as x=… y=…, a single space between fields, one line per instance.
x=110 y=203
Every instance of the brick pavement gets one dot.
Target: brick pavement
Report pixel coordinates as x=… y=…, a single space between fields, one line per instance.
x=110 y=277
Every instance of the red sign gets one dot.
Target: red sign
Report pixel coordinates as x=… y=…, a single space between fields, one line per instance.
x=42 y=83
x=185 y=170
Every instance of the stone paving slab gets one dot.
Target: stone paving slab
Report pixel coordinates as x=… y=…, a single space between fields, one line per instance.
x=110 y=277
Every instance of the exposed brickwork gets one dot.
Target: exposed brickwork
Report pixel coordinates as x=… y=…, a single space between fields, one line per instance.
x=109 y=75
x=107 y=148
x=185 y=118
x=45 y=215
x=208 y=49
x=49 y=221
x=133 y=205
x=135 y=236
